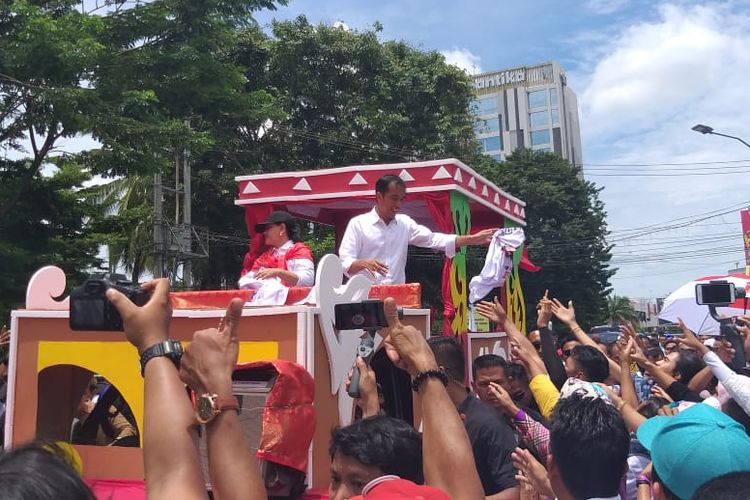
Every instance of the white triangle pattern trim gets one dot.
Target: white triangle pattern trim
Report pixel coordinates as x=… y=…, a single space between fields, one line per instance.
x=485 y=192
x=507 y=204
x=442 y=173
x=357 y=180
x=250 y=188
x=302 y=185
x=406 y=176
x=515 y=209
x=497 y=199
x=458 y=177
x=523 y=213
x=473 y=183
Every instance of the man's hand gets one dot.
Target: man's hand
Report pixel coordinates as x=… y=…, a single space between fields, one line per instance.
x=482 y=237
x=267 y=273
x=368 y=388
x=566 y=315
x=372 y=265
x=544 y=311
x=211 y=357
x=492 y=310
x=531 y=472
x=404 y=344
x=503 y=400
x=147 y=325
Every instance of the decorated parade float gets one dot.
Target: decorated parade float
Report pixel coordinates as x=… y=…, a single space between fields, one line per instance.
x=51 y=365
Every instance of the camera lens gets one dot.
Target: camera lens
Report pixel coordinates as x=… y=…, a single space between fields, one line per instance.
x=358 y=320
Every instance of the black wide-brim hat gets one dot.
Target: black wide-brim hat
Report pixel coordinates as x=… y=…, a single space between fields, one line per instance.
x=276 y=217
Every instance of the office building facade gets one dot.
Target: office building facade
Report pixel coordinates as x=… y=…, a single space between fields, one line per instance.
x=527 y=107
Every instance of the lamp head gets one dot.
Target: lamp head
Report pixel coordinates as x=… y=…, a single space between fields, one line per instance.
x=703 y=129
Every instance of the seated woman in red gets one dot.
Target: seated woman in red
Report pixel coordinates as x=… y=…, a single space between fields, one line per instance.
x=290 y=261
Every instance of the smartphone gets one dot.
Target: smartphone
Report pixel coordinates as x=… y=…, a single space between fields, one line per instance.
x=716 y=293
x=365 y=315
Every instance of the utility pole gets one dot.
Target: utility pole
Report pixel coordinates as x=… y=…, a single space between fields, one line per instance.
x=187 y=266
x=159 y=250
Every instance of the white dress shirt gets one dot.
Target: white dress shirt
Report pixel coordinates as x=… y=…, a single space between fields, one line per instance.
x=303 y=268
x=368 y=237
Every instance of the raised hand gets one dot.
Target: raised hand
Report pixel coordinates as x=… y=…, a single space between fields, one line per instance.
x=483 y=237
x=211 y=357
x=544 y=311
x=661 y=393
x=404 y=344
x=147 y=325
x=565 y=314
x=690 y=340
x=492 y=310
x=368 y=388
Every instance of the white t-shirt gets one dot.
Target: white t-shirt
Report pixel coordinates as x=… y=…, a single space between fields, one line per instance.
x=368 y=237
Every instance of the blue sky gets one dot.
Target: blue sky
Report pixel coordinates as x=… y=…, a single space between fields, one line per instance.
x=644 y=72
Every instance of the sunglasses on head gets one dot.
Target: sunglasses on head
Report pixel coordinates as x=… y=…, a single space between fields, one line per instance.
x=567 y=352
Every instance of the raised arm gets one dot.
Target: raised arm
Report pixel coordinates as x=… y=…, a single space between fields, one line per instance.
x=169 y=435
x=446 y=450
x=568 y=316
x=207 y=368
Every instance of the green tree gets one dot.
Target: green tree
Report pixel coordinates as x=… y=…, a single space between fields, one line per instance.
x=46 y=226
x=620 y=310
x=565 y=234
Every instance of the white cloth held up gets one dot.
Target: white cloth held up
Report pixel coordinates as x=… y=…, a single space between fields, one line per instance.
x=498 y=263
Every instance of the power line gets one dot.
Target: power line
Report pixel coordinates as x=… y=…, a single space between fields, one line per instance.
x=663 y=164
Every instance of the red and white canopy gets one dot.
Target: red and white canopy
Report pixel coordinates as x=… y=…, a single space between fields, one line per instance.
x=334 y=195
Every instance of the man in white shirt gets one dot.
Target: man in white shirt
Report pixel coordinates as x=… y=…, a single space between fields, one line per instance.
x=375 y=244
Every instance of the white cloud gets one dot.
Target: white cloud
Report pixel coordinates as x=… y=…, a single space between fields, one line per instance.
x=464 y=59
x=647 y=87
x=604 y=7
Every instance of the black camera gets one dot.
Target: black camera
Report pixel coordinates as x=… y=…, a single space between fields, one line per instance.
x=91 y=311
x=365 y=315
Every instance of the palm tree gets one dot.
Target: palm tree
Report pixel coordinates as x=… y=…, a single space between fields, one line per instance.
x=128 y=201
x=620 y=310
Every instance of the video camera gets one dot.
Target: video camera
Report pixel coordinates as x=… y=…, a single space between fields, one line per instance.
x=368 y=315
x=722 y=293
x=90 y=310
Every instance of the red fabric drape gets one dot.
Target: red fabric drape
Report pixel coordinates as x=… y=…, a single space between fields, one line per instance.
x=440 y=210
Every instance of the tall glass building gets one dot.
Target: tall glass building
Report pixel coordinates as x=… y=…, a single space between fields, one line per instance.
x=527 y=107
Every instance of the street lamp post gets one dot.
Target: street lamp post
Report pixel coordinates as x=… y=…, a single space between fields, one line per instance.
x=705 y=129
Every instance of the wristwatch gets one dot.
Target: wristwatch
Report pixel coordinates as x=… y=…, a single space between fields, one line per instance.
x=170 y=348
x=208 y=406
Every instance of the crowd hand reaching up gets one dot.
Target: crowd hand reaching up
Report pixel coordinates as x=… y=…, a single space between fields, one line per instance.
x=689 y=339
x=368 y=388
x=5 y=335
x=528 y=356
x=565 y=314
x=502 y=400
x=544 y=311
x=492 y=310
x=210 y=359
x=532 y=473
x=404 y=344
x=147 y=325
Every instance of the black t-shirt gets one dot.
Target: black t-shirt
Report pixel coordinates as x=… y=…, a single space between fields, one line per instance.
x=492 y=441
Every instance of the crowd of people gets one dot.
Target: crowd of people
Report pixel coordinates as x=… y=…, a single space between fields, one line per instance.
x=564 y=417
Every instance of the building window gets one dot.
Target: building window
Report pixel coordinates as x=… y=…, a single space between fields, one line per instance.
x=539 y=137
x=553 y=96
x=555 y=117
x=491 y=144
x=485 y=106
x=487 y=126
x=537 y=98
x=538 y=119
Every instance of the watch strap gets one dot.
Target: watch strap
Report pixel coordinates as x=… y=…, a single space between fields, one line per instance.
x=224 y=403
x=170 y=348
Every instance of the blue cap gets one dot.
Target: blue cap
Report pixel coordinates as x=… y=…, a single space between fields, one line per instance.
x=695 y=446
